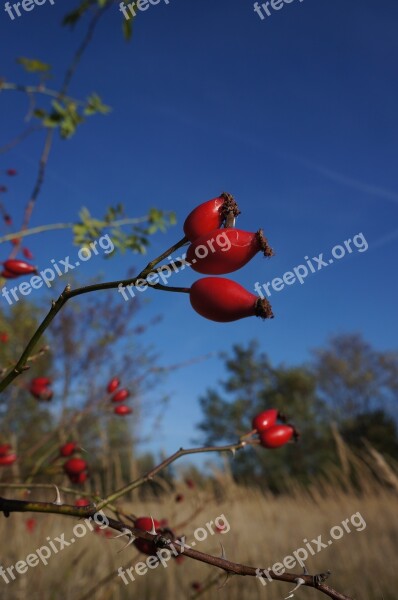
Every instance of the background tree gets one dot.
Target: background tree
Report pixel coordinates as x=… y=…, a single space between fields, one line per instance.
x=349 y=383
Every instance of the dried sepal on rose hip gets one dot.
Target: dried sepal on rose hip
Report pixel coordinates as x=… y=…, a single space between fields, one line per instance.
x=211 y=215
x=226 y=250
x=222 y=300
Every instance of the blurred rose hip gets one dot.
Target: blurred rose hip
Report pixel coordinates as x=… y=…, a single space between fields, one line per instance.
x=113 y=385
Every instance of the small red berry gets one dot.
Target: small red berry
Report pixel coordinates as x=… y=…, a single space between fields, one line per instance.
x=4 y=337
x=41 y=381
x=8 y=460
x=113 y=385
x=120 y=396
x=122 y=410
x=11 y=172
x=31 y=524
x=179 y=498
x=19 y=267
x=209 y=215
x=75 y=466
x=223 y=300
x=276 y=436
x=7 y=220
x=82 y=502
x=265 y=419
x=4 y=449
x=179 y=559
x=195 y=585
x=78 y=478
x=190 y=483
x=39 y=388
x=27 y=253
x=68 y=449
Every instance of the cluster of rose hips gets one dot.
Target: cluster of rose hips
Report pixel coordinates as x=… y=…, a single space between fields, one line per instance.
x=75 y=468
x=40 y=389
x=217 y=298
x=7 y=457
x=119 y=396
x=14 y=268
x=271 y=434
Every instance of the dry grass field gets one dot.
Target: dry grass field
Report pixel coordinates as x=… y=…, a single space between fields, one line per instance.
x=261 y=530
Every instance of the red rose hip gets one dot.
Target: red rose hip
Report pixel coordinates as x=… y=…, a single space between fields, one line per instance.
x=120 y=396
x=122 y=410
x=265 y=419
x=113 y=385
x=145 y=524
x=19 y=267
x=75 y=466
x=210 y=215
x=276 y=436
x=226 y=250
x=222 y=300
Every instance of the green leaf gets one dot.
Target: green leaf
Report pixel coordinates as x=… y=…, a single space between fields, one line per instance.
x=33 y=65
x=73 y=17
x=95 y=105
x=127 y=28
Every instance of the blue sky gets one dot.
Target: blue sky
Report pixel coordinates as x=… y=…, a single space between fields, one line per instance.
x=294 y=114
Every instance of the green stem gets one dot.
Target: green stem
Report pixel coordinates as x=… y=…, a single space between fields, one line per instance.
x=67 y=294
x=151 y=474
x=55 y=226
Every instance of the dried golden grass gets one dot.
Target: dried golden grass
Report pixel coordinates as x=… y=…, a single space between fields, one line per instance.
x=263 y=530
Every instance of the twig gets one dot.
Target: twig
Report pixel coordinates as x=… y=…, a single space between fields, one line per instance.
x=57 y=226
x=9 y=506
x=66 y=295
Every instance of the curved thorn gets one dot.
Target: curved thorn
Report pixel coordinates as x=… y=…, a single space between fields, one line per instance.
x=57 y=500
x=125 y=531
x=128 y=544
x=229 y=575
x=223 y=555
x=299 y=583
x=153 y=530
